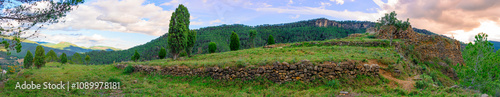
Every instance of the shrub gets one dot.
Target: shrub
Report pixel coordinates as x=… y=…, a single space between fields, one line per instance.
x=333 y=83
x=113 y=79
x=162 y=53
x=212 y=47
x=136 y=56
x=425 y=82
x=64 y=59
x=270 y=40
x=129 y=69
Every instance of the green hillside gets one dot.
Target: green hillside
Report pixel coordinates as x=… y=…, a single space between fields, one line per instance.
x=299 y=31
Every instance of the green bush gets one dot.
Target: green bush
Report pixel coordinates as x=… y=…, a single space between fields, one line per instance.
x=212 y=47
x=270 y=40
x=333 y=83
x=425 y=82
x=129 y=69
x=113 y=79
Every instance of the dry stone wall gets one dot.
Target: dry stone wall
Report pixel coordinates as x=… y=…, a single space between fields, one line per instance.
x=277 y=72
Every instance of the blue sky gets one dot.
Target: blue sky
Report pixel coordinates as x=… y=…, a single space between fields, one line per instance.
x=127 y=23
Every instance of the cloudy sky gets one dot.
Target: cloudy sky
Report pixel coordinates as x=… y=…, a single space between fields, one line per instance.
x=127 y=23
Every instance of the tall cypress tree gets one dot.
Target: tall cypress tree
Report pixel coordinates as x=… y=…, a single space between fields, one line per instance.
x=178 y=30
x=191 y=41
x=235 y=42
x=28 y=60
x=87 y=59
x=252 y=34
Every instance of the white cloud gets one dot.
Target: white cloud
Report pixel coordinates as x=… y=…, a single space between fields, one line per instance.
x=324 y=4
x=195 y=23
x=215 y=21
x=120 y=16
x=85 y=41
x=489 y=27
x=290 y=2
x=295 y=17
x=339 y=1
x=174 y=2
x=266 y=5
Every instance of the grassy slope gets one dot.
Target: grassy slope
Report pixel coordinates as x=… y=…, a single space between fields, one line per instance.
x=156 y=85
x=263 y=56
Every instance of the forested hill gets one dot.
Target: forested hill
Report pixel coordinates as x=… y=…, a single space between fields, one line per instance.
x=308 y=30
x=496 y=44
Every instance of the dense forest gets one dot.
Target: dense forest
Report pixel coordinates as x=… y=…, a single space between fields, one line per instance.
x=283 y=33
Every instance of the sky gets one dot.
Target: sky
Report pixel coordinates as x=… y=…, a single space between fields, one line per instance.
x=127 y=23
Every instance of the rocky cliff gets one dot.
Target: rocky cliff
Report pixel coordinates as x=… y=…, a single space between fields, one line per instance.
x=428 y=47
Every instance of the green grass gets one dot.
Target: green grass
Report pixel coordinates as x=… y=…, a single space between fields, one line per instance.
x=164 y=85
x=265 y=56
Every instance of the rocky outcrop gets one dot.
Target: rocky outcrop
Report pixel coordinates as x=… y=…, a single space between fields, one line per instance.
x=277 y=72
x=428 y=46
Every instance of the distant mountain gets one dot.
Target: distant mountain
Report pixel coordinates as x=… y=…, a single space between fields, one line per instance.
x=496 y=44
x=76 y=48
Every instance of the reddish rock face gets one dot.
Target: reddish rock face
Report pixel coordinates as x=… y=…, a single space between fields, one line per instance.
x=428 y=46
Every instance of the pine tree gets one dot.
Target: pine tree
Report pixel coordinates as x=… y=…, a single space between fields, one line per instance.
x=87 y=59
x=77 y=58
x=252 y=34
x=64 y=59
x=191 y=41
x=212 y=47
x=178 y=30
x=28 y=60
x=235 y=42
x=163 y=53
x=39 y=57
x=270 y=40
x=51 y=56
x=136 y=56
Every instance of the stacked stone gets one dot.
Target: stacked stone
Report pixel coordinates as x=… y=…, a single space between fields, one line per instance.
x=278 y=72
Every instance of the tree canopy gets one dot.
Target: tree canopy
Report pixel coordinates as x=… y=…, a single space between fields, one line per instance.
x=178 y=30
x=28 y=60
x=39 y=57
x=235 y=42
x=191 y=41
x=18 y=20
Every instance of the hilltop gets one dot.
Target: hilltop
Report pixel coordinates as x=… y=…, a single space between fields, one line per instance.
x=307 y=30
x=76 y=48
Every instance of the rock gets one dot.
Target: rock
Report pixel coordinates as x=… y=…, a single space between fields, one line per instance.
x=484 y=95
x=135 y=81
x=344 y=92
x=293 y=67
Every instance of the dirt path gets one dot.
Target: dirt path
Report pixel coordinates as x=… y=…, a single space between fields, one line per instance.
x=407 y=84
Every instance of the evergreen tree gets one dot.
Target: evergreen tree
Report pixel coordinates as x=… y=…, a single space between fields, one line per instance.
x=178 y=30
x=136 y=56
x=28 y=60
x=51 y=56
x=87 y=59
x=39 y=57
x=235 y=42
x=162 y=53
x=191 y=41
x=212 y=47
x=77 y=58
x=481 y=70
x=252 y=34
x=64 y=59
x=270 y=40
